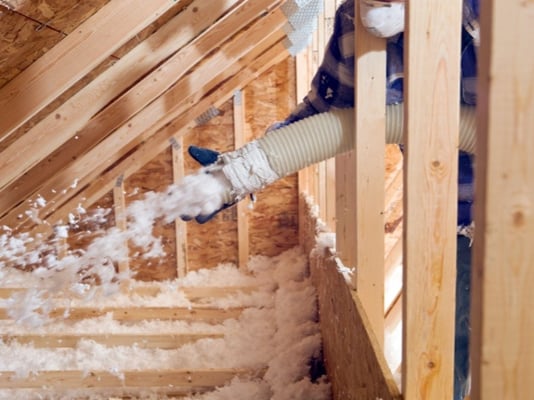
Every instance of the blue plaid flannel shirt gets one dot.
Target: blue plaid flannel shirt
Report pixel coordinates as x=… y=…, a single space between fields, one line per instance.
x=333 y=83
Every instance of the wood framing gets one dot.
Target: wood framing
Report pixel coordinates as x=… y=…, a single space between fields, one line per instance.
x=179 y=225
x=430 y=186
x=503 y=267
x=70 y=60
x=74 y=115
x=153 y=117
x=242 y=216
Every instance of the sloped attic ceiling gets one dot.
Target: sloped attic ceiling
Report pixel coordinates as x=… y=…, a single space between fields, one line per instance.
x=91 y=91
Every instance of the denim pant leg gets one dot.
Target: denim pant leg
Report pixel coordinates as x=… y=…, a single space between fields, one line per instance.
x=463 y=300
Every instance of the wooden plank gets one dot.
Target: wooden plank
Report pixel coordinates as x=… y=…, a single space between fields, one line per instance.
x=70 y=379
x=141 y=340
x=370 y=123
x=72 y=117
x=119 y=208
x=234 y=77
x=72 y=58
x=430 y=183
x=156 y=115
x=206 y=314
x=354 y=358
x=179 y=225
x=242 y=207
x=503 y=274
x=360 y=179
x=193 y=293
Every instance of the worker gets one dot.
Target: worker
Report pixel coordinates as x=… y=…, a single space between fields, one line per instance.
x=332 y=88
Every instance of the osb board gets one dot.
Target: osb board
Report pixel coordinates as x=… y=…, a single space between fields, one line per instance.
x=155 y=176
x=22 y=41
x=274 y=219
x=216 y=241
x=60 y=15
x=354 y=362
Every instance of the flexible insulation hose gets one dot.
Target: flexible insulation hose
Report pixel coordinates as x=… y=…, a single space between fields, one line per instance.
x=326 y=135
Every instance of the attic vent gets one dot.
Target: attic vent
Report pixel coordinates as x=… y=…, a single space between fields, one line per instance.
x=207 y=115
x=302 y=18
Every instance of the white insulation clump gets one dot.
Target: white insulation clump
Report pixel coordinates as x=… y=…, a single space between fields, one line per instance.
x=278 y=332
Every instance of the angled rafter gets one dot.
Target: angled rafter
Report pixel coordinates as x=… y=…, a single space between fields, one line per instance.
x=73 y=57
x=131 y=102
x=69 y=118
x=160 y=112
x=158 y=142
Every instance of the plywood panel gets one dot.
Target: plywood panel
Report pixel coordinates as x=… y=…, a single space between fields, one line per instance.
x=154 y=176
x=22 y=43
x=274 y=218
x=215 y=241
x=60 y=15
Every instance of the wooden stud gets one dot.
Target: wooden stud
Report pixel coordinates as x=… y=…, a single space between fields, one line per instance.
x=179 y=225
x=360 y=179
x=242 y=206
x=71 y=59
x=119 y=204
x=503 y=267
x=430 y=205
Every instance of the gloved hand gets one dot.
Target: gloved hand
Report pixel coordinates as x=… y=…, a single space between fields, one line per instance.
x=205 y=157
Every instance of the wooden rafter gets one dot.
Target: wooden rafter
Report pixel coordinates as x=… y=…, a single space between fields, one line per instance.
x=68 y=122
x=234 y=77
x=94 y=40
x=161 y=111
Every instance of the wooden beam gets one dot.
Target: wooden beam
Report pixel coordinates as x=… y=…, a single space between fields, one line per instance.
x=196 y=314
x=156 y=115
x=119 y=208
x=72 y=58
x=195 y=294
x=432 y=67
x=70 y=379
x=360 y=179
x=73 y=118
x=179 y=225
x=140 y=340
x=503 y=269
x=234 y=78
x=242 y=206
